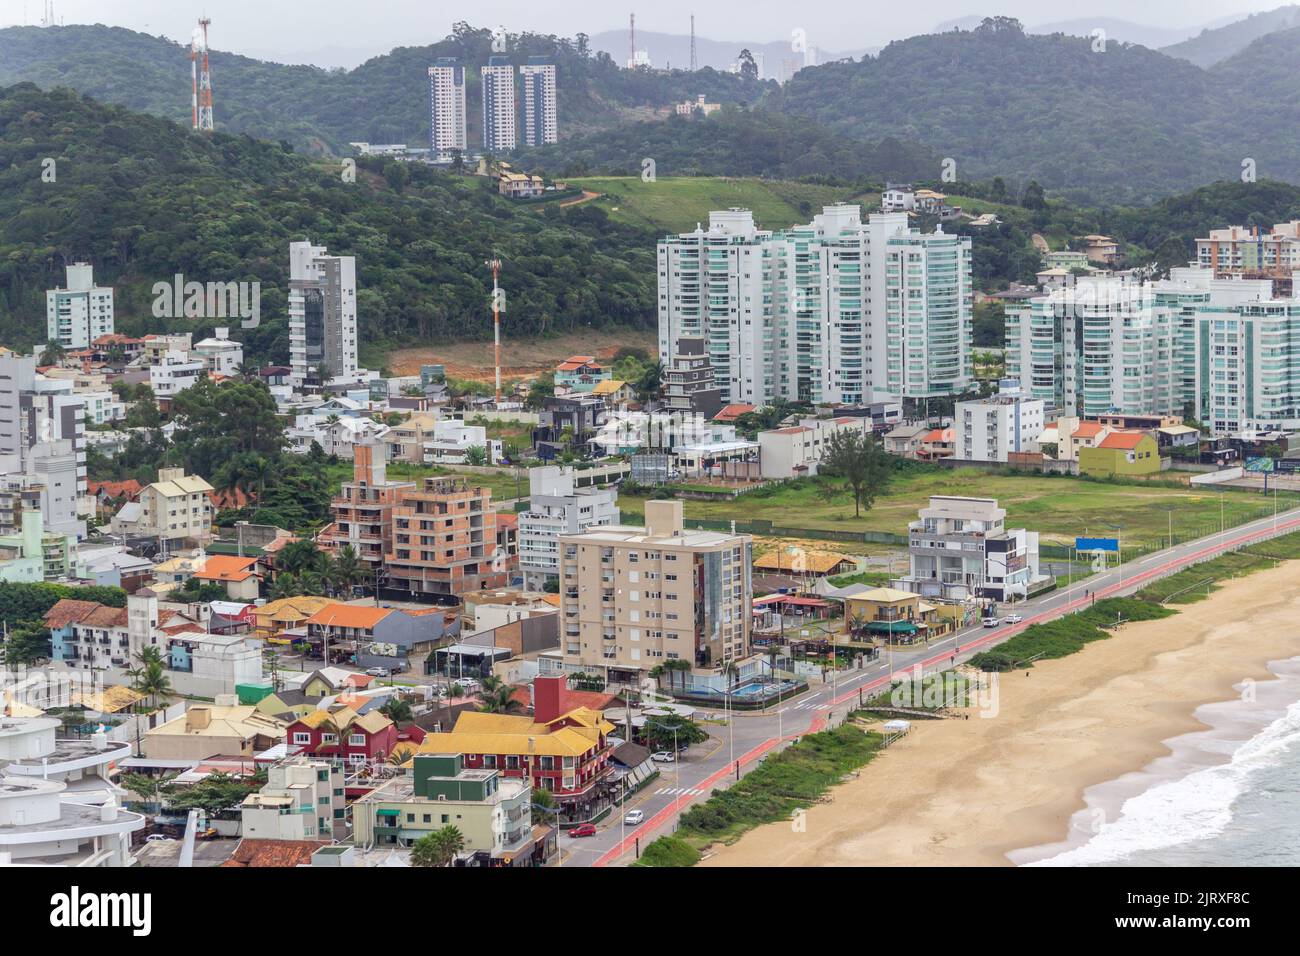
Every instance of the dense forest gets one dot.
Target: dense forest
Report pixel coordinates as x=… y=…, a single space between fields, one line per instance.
x=142 y=199
x=733 y=142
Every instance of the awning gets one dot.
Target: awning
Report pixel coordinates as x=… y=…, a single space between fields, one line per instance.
x=388 y=813
x=891 y=627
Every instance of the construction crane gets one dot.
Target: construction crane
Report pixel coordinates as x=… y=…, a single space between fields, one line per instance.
x=201 y=78
x=495 y=265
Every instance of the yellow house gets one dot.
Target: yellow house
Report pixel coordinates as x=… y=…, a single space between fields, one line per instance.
x=1121 y=453
x=275 y=617
x=893 y=615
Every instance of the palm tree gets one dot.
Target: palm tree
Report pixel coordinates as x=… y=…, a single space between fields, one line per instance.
x=312 y=582
x=150 y=677
x=285 y=585
x=346 y=570
x=498 y=697
x=438 y=848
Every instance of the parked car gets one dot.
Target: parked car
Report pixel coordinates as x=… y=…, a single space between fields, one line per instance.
x=634 y=817
x=583 y=830
x=663 y=756
x=156 y=838
x=991 y=622
x=1013 y=618
x=377 y=671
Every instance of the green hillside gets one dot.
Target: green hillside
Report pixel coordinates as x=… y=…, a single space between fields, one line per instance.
x=1214 y=46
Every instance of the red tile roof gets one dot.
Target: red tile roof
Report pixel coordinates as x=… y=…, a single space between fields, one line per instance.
x=226 y=567
x=730 y=413
x=281 y=853
x=105 y=617
x=115 y=489
x=1088 y=430
x=68 y=611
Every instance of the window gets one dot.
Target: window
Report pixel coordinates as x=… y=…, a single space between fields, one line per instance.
x=301 y=738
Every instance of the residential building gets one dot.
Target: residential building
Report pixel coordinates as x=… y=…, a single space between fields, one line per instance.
x=564 y=751
x=697 y=105
x=633 y=598
x=81 y=313
x=444 y=539
x=556 y=508
x=237 y=575
x=450 y=442
x=378 y=636
x=1246 y=252
x=837 y=311
x=206 y=730
x=515 y=185
x=221 y=661
x=343 y=735
x=990 y=429
x=1130 y=454
x=1101 y=249
x=492 y=812
x=568 y=425
x=688 y=384
x=31 y=554
x=275 y=617
x=580 y=373
x=174 y=373
x=174 y=509
x=220 y=354
x=447 y=108
x=894 y=615
x=797 y=451
x=87 y=635
x=322 y=315
x=302 y=799
x=898 y=197
x=905 y=440
x=541 y=125
x=49 y=484
x=362 y=511
x=500 y=113
x=57 y=806
x=961 y=549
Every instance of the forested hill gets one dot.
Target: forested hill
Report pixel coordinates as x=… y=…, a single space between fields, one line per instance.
x=385 y=100
x=1118 y=124
x=142 y=199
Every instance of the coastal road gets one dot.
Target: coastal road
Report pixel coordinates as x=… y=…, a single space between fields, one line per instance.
x=738 y=746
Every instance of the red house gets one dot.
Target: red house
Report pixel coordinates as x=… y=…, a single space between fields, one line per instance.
x=343 y=735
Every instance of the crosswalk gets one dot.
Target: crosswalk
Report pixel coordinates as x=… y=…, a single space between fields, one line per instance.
x=678 y=792
x=811 y=705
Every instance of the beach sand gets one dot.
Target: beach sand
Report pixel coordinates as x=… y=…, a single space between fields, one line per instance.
x=966 y=792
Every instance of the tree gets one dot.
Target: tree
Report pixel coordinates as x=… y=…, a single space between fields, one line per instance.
x=346 y=570
x=663 y=733
x=397 y=710
x=861 y=462
x=748 y=66
x=476 y=455
x=438 y=848
x=149 y=677
x=53 y=354
x=28 y=643
x=497 y=697
x=1034 y=197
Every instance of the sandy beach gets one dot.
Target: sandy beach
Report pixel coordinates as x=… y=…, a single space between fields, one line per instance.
x=967 y=792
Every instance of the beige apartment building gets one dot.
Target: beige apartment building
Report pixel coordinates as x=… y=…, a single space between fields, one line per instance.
x=175 y=508
x=633 y=598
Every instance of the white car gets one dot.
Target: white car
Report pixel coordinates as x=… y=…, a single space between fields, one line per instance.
x=634 y=817
x=664 y=756
x=156 y=838
x=1013 y=619
x=991 y=622
x=378 y=672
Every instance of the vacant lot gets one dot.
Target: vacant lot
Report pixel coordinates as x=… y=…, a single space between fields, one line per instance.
x=1058 y=508
x=520 y=358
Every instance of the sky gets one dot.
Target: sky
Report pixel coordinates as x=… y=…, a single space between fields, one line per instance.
x=350 y=30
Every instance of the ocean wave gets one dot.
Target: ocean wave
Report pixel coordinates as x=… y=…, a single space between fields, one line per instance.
x=1194 y=807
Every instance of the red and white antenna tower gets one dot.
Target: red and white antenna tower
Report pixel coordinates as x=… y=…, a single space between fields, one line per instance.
x=201 y=78
x=631 y=42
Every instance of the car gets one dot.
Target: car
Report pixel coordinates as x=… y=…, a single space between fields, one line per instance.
x=1013 y=619
x=664 y=756
x=378 y=671
x=156 y=838
x=465 y=683
x=583 y=830
x=634 y=817
x=991 y=622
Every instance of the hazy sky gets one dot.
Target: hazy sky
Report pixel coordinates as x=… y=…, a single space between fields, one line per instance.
x=282 y=30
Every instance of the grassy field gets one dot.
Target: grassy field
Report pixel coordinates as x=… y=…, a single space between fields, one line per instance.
x=1059 y=508
x=676 y=204
x=1200 y=580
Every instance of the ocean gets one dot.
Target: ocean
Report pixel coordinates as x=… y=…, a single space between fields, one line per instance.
x=1225 y=796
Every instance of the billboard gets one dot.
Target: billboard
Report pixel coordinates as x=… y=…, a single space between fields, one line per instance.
x=1096 y=544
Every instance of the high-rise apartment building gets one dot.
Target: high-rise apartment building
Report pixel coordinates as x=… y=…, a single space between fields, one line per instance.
x=81 y=313
x=540 y=121
x=633 y=598
x=500 y=114
x=836 y=311
x=444 y=539
x=322 y=314
x=447 y=107
x=1245 y=251
x=362 y=510
x=1223 y=349
x=555 y=508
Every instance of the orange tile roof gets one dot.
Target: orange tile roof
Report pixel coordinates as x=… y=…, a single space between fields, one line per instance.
x=1088 y=430
x=349 y=615
x=1122 y=440
x=106 y=617
x=730 y=413
x=226 y=567
x=280 y=853
x=939 y=434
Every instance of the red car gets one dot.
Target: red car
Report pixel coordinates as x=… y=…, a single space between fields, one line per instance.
x=583 y=830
